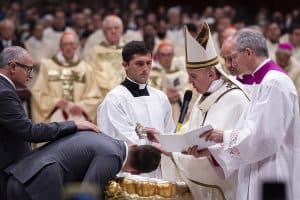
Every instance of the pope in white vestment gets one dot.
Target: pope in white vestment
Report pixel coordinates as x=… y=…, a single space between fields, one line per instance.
x=265 y=144
x=221 y=105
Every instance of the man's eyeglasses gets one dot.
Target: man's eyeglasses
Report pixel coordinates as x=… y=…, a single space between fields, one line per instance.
x=233 y=56
x=27 y=68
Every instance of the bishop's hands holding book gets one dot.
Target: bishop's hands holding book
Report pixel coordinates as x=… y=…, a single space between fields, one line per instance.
x=207 y=135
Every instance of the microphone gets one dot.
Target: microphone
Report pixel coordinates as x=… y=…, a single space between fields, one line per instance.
x=185 y=105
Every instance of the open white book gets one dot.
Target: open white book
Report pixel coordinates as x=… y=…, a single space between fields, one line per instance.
x=179 y=142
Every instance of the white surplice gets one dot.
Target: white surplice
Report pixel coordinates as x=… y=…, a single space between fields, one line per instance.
x=265 y=143
x=120 y=112
x=221 y=109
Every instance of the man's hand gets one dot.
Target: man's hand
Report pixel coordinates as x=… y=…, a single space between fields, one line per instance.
x=86 y=125
x=161 y=149
x=151 y=132
x=75 y=110
x=173 y=95
x=62 y=104
x=194 y=151
x=214 y=135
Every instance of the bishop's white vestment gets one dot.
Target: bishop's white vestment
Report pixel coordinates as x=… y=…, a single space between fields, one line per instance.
x=265 y=144
x=221 y=109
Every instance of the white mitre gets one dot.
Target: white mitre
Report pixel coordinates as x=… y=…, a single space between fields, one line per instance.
x=200 y=53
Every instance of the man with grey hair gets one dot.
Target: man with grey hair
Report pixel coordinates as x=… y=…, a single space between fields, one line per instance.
x=105 y=58
x=264 y=145
x=17 y=130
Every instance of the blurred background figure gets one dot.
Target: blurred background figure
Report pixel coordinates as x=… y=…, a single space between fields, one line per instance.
x=223 y=22
x=35 y=43
x=284 y=57
x=285 y=60
x=80 y=27
x=169 y=75
x=53 y=33
x=8 y=38
x=8 y=35
x=105 y=57
x=293 y=37
x=66 y=87
x=175 y=31
x=272 y=34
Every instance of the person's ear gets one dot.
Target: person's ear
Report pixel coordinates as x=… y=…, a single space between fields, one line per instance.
x=248 y=51
x=12 y=68
x=125 y=64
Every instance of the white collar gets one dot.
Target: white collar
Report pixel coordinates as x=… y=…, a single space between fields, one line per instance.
x=63 y=61
x=215 y=85
x=10 y=81
x=141 y=85
x=261 y=65
x=121 y=43
x=241 y=76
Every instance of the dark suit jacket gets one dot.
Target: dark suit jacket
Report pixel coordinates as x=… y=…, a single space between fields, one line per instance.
x=84 y=156
x=17 y=130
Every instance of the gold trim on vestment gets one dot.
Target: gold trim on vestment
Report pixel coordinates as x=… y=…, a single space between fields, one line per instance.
x=55 y=60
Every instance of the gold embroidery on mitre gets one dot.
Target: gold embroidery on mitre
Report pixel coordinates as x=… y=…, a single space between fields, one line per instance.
x=202 y=37
x=196 y=65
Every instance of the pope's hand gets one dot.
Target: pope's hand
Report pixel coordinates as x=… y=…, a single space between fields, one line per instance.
x=86 y=125
x=161 y=149
x=194 y=151
x=214 y=135
x=151 y=132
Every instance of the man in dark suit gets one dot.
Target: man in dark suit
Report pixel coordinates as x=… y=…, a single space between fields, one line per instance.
x=85 y=157
x=16 y=129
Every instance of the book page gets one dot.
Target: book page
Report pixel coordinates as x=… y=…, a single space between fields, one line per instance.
x=178 y=143
x=172 y=142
